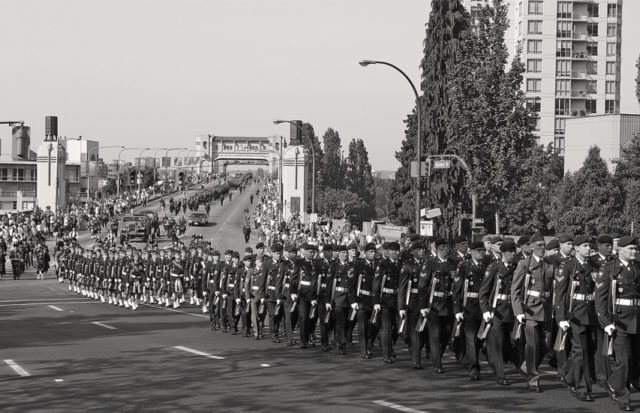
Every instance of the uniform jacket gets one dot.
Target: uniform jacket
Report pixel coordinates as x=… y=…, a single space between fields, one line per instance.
x=344 y=284
x=270 y=269
x=366 y=273
x=472 y=274
x=583 y=276
x=410 y=297
x=304 y=279
x=504 y=273
x=534 y=300
x=627 y=280
x=386 y=283
x=443 y=272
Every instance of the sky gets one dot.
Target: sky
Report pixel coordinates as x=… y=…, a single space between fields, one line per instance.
x=156 y=73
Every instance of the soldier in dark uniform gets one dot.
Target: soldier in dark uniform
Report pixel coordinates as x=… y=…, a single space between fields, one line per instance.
x=256 y=289
x=466 y=288
x=525 y=249
x=497 y=311
x=462 y=250
x=494 y=249
x=137 y=275
x=270 y=270
x=224 y=269
x=366 y=271
x=576 y=316
x=288 y=296
x=343 y=296
x=213 y=274
x=304 y=284
x=230 y=294
x=531 y=298
x=244 y=272
x=42 y=257
x=326 y=268
x=602 y=367
x=411 y=290
x=385 y=299
x=618 y=309
x=566 y=247
x=178 y=268
x=352 y=256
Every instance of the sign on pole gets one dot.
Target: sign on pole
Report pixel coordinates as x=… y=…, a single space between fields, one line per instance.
x=478 y=221
x=313 y=217
x=442 y=164
x=430 y=213
x=426 y=228
x=465 y=216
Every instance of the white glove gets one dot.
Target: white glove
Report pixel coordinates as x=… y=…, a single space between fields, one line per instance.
x=314 y=302
x=486 y=316
x=294 y=297
x=376 y=307
x=237 y=301
x=565 y=325
x=277 y=302
x=354 y=306
x=610 y=329
x=204 y=293
x=262 y=300
x=224 y=296
x=520 y=318
x=402 y=313
x=327 y=306
x=459 y=317
x=424 y=312
x=217 y=292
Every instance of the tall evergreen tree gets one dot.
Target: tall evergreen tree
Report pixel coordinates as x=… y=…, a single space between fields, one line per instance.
x=627 y=175
x=331 y=174
x=359 y=178
x=309 y=138
x=638 y=80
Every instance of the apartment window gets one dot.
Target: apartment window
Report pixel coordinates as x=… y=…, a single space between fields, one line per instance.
x=18 y=174
x=593 y=9
x=564 y=9
x=592 y=49
x=558 y=144
x=592 y=86
x=533 y=104
x=563 y=48
x=560 y=125
x=612 y=49
x=612 y=68
x=563 y=107
x=535 y=7
x=534 y=85
x=611 y=87
x=227 y=147
x=590 y=105
x=534 y=46
x=536 y=126
x=610 y=106
x=14 y=205
x=563 y=68
x=592 y=68
x=534 y=65
x=613 y=10
x=564 y=29
x=563 y=87
x=4 y=174
x=592 y=29
x=534 y=27
x=613 y=30
x=33 y=175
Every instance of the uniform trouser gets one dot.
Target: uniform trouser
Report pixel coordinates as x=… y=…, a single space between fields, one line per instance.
x=562 y=357
x=439 y=328
x=365 y=337
x=389 y=333
x=601 y=361
x=578 y=371
x=417 y=338
x=500 y=350
x=274 y=319
x=473 y=345
x=341 y=315
x=325 y=328
x=351 y=324
x=224 y=312
x=626 y=348
x=245 y=315
x=304 y=309
x=290 y=318
x=214 y=308
x=534 y=350
x=257 y=319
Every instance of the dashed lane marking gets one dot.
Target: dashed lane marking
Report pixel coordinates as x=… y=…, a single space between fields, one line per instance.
x=58 y=380
x=53 y=307
x=37 y=299
x=265 y=365
x=103 y=325
x=197 y=352
x=22 y=372
x=397 y=407
x=32 y=304
x=173 y=310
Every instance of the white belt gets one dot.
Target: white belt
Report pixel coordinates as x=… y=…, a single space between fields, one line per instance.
x=231 y=285
x=365 y=292
x=505 y=297
x=440 y=294
x=534 y=293
x=414 y=291
x=341 y=289
x=255 y=287
x=472 y=295
x=630 y=302
x=271 y=287
x=389 y=290
x=584 y=297
x=305 y=282
x=286 y=285
x=323 y=285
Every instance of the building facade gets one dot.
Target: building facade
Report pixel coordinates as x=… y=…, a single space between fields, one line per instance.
x=18 y=170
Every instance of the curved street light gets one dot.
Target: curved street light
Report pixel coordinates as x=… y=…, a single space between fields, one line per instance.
x=365 y=63
x=118 y=167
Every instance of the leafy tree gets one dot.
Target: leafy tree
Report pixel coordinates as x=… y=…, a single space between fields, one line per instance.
x=588 y=201
x=309 y=139
x=110 y=187
x=339 y=203
x=627 y=175
x=359 y=178
x=638 y=80
x=401 y=202
x=331 y=174
x=383 y=189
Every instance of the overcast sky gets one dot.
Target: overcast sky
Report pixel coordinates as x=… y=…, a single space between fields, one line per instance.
x=159 y=72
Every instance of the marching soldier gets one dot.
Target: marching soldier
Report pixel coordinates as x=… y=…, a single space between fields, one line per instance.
x=326 y=268
x=342 y=297
x=525 y=249
x=244 y=272
x=566 y=252
x=385 y=300
x=230 y=294
x=304 y=284
x=271 y=270
x=618 y=308
x=366 y=272
x=531 y=297
x=177 y=274
x=602 y=367
x=255 y=295
x=288 y=297
x=352 y=257
x=462 y=250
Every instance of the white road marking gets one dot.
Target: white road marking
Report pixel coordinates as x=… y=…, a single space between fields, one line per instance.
x=53 y=307
x=17 y=368
x=397 y=407
x=173 y=310
x=265 y=365
x=103 y=325
x=38 y=299
x=58 y=380
x=199 y=353
x=28 y=304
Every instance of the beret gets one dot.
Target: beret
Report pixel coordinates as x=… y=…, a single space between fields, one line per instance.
x=441 y=241
x=385 y=245
x=327 y=247
x=309 y=247
x=235 y=254
x=276 y=248
x=605 y=239
x=508 y=246
x=216 y=253
x=562 y=238
x=249 y=250
x=417 y=246
x=394 y=246
x=247 y=258
x=582 y=239
x=476 y=245
x=352 y=246
x=228 y=252
x=615 y=235
x=523 y=240
x=260 y=245
x=536 y=237
x=486 y=238
x=414 y=237
x=495 y=239
x=627 y=240
x=341 y=248
x=461 y=238
x=290 y=248
x=370 y=247
x=553 y=244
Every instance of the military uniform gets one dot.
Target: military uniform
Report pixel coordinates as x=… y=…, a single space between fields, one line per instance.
x=343 y=295
x=271 y=269
x=385 y=294
x=256 y=290
x=326 y=269
x=411 y=299
x=366 y=272
x=287 y=297
x=304 y=281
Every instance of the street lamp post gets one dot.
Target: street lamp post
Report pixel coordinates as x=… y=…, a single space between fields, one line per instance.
x=313 y=164
x=419 y=137
x=118 y=168
x=166 y=155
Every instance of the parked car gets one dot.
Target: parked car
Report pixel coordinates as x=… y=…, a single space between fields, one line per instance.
x=135 y=224
x=198 y=218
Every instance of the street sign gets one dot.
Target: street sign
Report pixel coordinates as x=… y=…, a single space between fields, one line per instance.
x=431 y=213
x=478 y=221
x=414 y=169
x=441 y=164
x=426 y=228
x=465 y=216
x=313 y=217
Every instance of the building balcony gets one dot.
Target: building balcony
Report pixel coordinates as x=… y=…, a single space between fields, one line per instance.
x=579 y=75
x=579 y=36
x=580 y=94
x=580 y=17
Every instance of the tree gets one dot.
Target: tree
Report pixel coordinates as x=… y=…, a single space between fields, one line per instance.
x=309 y=139
x=110 y=187
x=627 y=175
x=331 y=174
x=401 y=202
x=339 y=204
x=588 y=201
x=359 y=178
x=638 y=80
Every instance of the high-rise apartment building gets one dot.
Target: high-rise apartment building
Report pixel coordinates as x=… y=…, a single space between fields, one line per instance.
x=571 y=50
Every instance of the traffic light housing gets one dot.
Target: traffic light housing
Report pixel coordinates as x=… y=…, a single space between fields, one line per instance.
x=180 y=178
x=132 y=177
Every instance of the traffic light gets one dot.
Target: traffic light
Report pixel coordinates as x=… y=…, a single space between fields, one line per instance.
x=180 y=178
x=132 y=177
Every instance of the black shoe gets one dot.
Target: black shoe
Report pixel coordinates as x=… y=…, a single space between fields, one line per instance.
x=304 y=345
x=503 y=382
x=350 y=343
x=535 y=389
x=276 y=340
x=417 y=366
x=324 y=348
x=387 y=361
x=342 y=352
x=561 y=378
x=573 y=391
x=583 y=397
x=475 y=377
x=439 y=370
x=625 y=407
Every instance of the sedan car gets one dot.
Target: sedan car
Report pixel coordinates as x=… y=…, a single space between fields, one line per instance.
x=198 y=218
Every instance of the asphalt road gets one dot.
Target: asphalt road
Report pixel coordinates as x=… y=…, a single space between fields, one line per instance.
x=60 y=352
